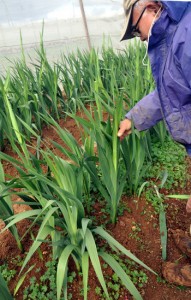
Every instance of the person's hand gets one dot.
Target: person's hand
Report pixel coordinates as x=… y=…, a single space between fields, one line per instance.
x=125 y=129
x=188 y=206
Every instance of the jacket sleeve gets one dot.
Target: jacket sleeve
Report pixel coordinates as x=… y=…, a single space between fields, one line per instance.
x=183 y=55
x=147 y=112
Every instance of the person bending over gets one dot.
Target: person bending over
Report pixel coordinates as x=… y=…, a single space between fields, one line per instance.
x=166 y=27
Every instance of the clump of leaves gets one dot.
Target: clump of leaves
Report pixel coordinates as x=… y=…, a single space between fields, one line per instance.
x=135 y=231
x=7 y=273
x=114 y=284
x=155 y=201
x=169 y=157
x=45 y=287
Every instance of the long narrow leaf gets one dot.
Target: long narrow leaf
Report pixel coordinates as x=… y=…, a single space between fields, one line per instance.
x=100 y=231
x=163 y=232
x=4 y=292
x=92 y=250
x=122 y=275
x=85 y=269
x=62 y=268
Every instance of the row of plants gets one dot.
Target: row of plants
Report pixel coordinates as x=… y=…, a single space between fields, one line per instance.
x=62 y=181
x=59 y=191
x=54 y=189
x=43 y=88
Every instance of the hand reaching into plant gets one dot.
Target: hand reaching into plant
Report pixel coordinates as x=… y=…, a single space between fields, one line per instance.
x=125 y=129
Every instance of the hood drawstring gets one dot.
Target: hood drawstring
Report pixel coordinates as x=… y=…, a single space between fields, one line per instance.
x=149 y=35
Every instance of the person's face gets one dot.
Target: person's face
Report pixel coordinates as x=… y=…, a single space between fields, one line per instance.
x=143 y=18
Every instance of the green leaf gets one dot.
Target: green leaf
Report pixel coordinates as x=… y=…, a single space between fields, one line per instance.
x=44 y=233
x=62 y=268
x=163 y=232
x=100 y=231
x=93 y=254
x=5 y=294
x=21 y=216
x=181 y=197
x=122 y=275
x=21 y=280
x=85 y=269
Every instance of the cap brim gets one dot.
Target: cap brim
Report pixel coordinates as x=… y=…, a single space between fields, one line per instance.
x=126 y=33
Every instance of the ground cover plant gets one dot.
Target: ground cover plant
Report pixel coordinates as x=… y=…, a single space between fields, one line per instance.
x=73 y=177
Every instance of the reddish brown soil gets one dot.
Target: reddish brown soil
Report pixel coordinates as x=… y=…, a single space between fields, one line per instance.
x=145 y=244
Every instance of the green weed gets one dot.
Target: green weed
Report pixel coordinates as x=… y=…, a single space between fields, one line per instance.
x=167 y=157
x=114 y=285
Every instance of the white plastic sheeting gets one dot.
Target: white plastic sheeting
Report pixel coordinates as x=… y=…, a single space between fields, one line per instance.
x=63 y=25
x=23 y=11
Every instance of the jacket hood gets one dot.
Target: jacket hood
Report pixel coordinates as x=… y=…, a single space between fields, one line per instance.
x=175 y=9
x=170 y=16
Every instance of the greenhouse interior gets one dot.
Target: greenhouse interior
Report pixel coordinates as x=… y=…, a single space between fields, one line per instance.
x=65 y=27
x=95 y=150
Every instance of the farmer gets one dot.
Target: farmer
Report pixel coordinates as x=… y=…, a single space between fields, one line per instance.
x=166 y=26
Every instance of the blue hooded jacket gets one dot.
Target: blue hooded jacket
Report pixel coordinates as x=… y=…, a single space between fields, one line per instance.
x=169 y=51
